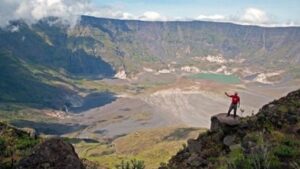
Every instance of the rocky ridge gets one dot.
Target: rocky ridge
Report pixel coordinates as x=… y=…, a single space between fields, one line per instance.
x=270 y=139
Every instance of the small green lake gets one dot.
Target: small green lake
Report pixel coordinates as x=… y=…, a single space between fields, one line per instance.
x=222 y=78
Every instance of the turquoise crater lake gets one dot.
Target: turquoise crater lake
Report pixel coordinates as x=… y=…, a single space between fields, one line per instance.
x=222 y=78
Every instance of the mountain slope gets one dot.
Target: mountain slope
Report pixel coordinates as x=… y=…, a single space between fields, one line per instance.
x=177 y=41
x=46 y=44
x=37 y=67
x=270 y=139
x=18 y=84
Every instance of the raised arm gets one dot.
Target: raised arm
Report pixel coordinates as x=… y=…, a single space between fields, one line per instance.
x=227 y=94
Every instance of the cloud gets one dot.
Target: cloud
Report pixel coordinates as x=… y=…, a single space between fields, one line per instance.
x=14 y=28
x=152 y=16
x=249 y=16
x=34 y=10
x=255 y=16
x=69 y=11
x=6 y=11
x=211 y=17
x=127 y=15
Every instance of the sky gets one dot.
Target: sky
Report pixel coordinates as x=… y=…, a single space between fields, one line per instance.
x=251 y=12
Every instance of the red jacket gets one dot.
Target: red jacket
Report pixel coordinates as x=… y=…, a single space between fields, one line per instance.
x=235 y=99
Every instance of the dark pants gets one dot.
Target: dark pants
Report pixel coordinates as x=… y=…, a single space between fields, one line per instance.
x=232 y=107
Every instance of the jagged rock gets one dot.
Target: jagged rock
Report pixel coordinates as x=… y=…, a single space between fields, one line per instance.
x=292 y=119
x=217 y=136
x=194 y=146
x=30 y=131
x=219 y=121
x=52 y=154
x=196 y=161
x=248 y=145
x=271 y=105
x=229 y=140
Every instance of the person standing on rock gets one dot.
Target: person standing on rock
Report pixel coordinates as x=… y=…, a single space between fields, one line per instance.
x=235 y=103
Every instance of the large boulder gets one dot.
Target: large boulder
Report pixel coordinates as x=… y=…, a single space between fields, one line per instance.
x=229 y=140
x=52 y=154
x=222 y=121
x=30 y=131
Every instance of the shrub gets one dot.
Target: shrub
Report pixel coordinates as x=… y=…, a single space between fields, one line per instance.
x=291 y=142
x=262 y=158
x=277 y=136
x=284 y=151
x=283 y=109
x=255 y=161
x=2 y=146
x=133 y=164
x=289 y=148
x=25 y=143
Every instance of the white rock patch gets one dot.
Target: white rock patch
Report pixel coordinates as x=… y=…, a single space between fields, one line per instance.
x=121 y=75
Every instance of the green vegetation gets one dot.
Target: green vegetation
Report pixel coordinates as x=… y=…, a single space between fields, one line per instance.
x=260 y=159
x=14 y=145
x=254 y=161
x=264 y=155
x=288 y=148
x=133 y=164
x=222 y=78
x=99 y=86
x=18 y=84
x=10 y=112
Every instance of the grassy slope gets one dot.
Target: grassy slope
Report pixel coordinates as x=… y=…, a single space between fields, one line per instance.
x=20 y=84
x=152 y=146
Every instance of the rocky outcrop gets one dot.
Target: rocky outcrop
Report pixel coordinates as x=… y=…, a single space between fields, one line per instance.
x=17 y=143
x=217 y=141
x=30 y=131
x=221 y=121
x=270 y=139
x=52 y=154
